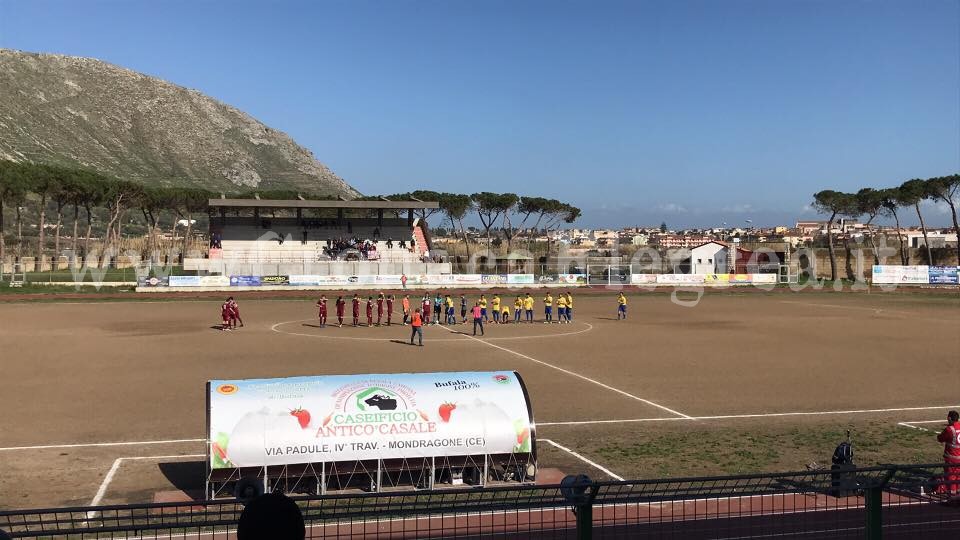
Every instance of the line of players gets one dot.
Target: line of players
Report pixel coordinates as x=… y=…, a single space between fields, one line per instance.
x=441 y=309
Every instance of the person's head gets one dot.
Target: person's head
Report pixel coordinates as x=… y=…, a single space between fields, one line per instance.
x=229 y=299
x=369 y=298
x=953 y=417
x=381 y=295
x=482 y=296
x=476 y=304
x=273 y=515
x=417 y=310
x=323 y=297
x=339 y=298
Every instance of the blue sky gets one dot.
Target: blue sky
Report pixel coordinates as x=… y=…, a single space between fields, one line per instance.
x=689 y=112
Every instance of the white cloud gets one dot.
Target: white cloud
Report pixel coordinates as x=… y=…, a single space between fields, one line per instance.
x=738 y=208
x=672 y=208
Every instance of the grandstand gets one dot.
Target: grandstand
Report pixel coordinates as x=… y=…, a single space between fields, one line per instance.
x=322 y=237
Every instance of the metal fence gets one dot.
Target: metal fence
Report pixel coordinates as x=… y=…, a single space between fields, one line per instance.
x=888 y=502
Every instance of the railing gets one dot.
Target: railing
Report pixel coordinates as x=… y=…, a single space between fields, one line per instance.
x=890 y=501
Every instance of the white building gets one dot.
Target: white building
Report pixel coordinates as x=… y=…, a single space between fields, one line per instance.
x=709 y=258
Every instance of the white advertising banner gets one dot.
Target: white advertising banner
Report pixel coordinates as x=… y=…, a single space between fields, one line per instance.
x=680 y=279
x=299 y=279
x=467 y=279
x=643 y=279
x=296 y=420
x=764 y=278
x=896 y=274
x=519 y=279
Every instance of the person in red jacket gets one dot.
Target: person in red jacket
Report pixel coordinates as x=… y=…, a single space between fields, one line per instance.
x=379 y=308
x=369 y=311
x=950 y=437
x=389 y=308
x=322 y=315
x=341 y=307
x=356 y=310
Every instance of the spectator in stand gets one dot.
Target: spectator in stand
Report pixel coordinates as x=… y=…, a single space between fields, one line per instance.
x=274 y=516
x=389 y=243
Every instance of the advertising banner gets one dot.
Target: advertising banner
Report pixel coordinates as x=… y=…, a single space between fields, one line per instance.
x=717 y=279
x=467 y=279
x=896 y=274
x=944 y=275
x=303 y=279
x=144 y=281
x=214 y=281
x=439 y=279
x=333 y=280
x=740 y=279
x=388 y=280
x=643 y=279
x=184 y=281
x=572 y=279
x=764 y=278
x=520 y=279
x=275 y=280
x=680 y=279
x=301 y=420
x=493 y=279
x=244 y=281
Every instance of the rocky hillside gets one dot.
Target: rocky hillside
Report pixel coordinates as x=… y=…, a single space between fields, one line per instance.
x=80 y=111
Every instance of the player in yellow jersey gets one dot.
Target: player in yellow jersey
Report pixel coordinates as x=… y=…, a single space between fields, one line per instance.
x=517 y=309
x=528 y=307
x=569 y=308
x=561 y=308
x=621 y=306
x=495 y=306
x=548 y=308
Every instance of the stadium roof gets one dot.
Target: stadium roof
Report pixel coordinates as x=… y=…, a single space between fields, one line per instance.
x=297 y=203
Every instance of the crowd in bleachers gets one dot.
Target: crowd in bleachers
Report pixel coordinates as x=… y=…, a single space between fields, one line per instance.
x=367 y=249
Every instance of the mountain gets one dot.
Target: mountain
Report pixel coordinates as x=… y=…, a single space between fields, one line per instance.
x=68 y=110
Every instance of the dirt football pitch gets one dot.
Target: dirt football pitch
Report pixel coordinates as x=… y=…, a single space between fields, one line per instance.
x=103 y=402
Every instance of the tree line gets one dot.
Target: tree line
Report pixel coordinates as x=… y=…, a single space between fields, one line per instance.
x=511 y=211
x=75 y=193
x=889 y=202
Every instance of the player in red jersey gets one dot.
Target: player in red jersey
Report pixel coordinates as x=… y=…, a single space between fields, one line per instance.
x=322 y=315
x=341 y=307
x=950 y=437
x=379 y=308
x=235 y=313
x=369 y=311
x=425 y=306
x=226 y=311
x=356 y=310
x=389 y=308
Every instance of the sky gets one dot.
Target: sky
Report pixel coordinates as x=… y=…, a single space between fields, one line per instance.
x=691 y=112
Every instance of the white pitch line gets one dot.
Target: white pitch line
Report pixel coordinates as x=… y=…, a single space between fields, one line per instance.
x=570 y=423
x=907 y=424
x=95 y=445
x=941 y=421
x=102 y=490
x=575 y=374
x=583 y=459
x=759 y=415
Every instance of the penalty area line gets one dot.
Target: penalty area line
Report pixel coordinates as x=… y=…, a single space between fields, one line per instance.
x=575 y=374
x=593 y=464
x=102 y=490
